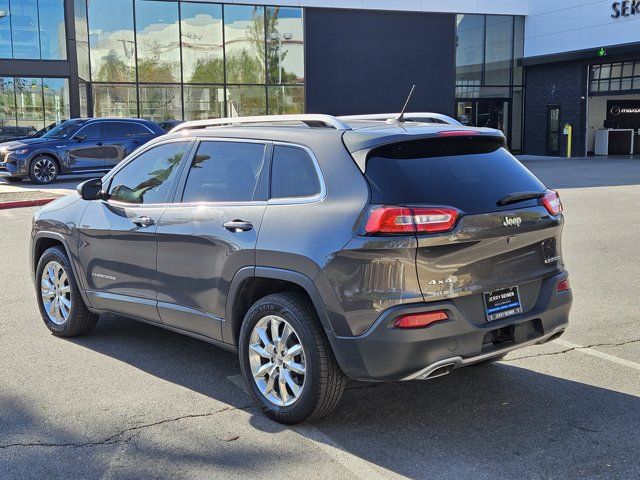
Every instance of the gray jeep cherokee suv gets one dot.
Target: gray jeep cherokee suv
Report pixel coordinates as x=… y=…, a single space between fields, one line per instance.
x=317 y=247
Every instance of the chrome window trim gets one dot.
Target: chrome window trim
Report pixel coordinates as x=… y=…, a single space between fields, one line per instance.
x=318 y=197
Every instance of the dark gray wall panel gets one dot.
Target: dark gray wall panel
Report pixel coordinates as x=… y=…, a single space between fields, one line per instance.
x=366 y=61
x=561 y=84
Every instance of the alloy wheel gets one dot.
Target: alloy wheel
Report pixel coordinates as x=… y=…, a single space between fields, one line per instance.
x=55 y=291
x=277 y=360
x=44 y=169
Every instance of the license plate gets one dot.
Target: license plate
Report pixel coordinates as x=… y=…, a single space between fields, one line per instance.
x=502 y=303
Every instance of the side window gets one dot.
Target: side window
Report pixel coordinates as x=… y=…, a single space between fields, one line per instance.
x=149 y=176
x=293 y=173
x=224 y=172
x=123 y=130
x=91 y=131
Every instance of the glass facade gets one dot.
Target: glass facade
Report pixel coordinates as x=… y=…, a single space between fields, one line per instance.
x=32 y=29
x=489 y=77
x=165 y=60
x=33 y=103
x=615 y=77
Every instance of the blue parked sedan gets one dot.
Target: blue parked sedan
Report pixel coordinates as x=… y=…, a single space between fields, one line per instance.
x=80 y=145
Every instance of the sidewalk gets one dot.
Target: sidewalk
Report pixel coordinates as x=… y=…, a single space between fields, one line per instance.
x=27 y=194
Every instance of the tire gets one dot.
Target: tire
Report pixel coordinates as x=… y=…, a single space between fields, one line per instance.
x=13 y=179
x=43 y=170
x=322 y=383
x=78 y=320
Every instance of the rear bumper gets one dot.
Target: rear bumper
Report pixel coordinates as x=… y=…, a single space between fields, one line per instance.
x=385 y=353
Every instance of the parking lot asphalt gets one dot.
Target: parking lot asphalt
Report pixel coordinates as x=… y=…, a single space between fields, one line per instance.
x=135 y=401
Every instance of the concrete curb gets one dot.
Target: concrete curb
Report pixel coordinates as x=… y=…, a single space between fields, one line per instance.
x=26 y=203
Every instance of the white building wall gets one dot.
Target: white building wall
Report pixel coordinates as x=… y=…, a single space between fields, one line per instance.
x=555 y=27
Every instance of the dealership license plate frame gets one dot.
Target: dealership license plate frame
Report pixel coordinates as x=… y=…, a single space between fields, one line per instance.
x=500 y=308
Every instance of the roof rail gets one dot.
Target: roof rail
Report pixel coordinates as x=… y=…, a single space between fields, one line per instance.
x=312 y=120
x=408 y=117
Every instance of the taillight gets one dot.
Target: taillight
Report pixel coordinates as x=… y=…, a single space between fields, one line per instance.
x=420 y=320
x=551 y=202
x=457 y=133
x=411 y=220
x=563 y=285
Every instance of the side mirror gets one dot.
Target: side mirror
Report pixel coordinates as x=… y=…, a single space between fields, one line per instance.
x=80 y=138
x=91 y=189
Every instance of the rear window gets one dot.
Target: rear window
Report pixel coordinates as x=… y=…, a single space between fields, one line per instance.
x=469 y=174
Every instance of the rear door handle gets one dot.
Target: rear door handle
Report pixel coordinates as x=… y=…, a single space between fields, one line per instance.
x=143 y=221
x=100 y=144
x=238 y=226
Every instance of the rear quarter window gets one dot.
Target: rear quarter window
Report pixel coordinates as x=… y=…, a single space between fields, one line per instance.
x=468 y=174
x=293 y=173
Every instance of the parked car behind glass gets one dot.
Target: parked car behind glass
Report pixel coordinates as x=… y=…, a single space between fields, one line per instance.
x=75 y=146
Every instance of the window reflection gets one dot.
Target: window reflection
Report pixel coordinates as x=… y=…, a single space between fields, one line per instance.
x=7 y=102
x=286 y=100
x=158 y=41
x=285 y=45
x=111 y=40
x=470 y=49
x=52 y=30
x=82 y=39
x=202 y=102
x=115 y=100
x=29 y=102
x=56 y=100
x=24 y=29
x=160 y=102
x=5 y=30
x=243 y=101
x=244 y=43
x=498 y=48
x=202 y=44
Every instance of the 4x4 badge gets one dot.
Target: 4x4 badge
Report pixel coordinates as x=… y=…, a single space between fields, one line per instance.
x=512 y=222
x=441 y=282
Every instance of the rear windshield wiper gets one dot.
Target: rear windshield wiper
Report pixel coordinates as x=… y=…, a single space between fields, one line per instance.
x=518 y=197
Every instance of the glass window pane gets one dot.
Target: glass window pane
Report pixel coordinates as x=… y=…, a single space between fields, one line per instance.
x=285 y=45
x=84 y=99
x=605 y=71
x=627 y=69
x=244 y=43
x=160 y=102
x=470 y=49
x=157 y=34
x=285 y=100
x=595 y=72
x=224 y=172
x=111 y=40
x=242 y=101
x=56 y=99
x=616 y=70
x=615 y=84
x=5 y=30
x=498 y=50
x=604 y=85
x=123 y=130
x=626 y=84
x=293 y=173
x=29 y=102
x=594 y=86
x=53 y=42
x=518 y=50
x=7 y=103
x=114 y=100
x=82 y=39
x=202 y=102
x=24 y=29
x=464 y=113
x=91 y=131
x=148 y=178
x=636 y=83
x=202 y=45
x=516 y=125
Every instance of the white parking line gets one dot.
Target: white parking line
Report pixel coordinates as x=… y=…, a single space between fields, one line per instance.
x=596 y=353
x=355 y=465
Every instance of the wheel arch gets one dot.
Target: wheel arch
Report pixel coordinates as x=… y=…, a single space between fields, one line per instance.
x=44 y=240
x=252 y=283
x=45 y=153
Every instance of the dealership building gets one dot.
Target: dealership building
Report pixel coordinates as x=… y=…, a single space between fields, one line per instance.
x=525 y=67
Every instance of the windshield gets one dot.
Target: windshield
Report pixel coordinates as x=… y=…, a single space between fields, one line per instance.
x=65 y=129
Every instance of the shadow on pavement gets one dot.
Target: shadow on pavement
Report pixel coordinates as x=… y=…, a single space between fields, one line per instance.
x=495 y=421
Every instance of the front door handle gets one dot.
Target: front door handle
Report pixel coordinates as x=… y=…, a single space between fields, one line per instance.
x=143 y=221
x=238 y=226
x=100 y=144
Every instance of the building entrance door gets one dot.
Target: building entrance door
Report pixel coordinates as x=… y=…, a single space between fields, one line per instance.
x=484 y=112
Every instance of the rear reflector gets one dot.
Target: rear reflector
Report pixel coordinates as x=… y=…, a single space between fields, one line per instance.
x=457 y=133
x=411 y=220
x=420 y=320
x=551 y=202
x=563 y=285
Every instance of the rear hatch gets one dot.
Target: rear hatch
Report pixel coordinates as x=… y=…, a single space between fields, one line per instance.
x=484 y=234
